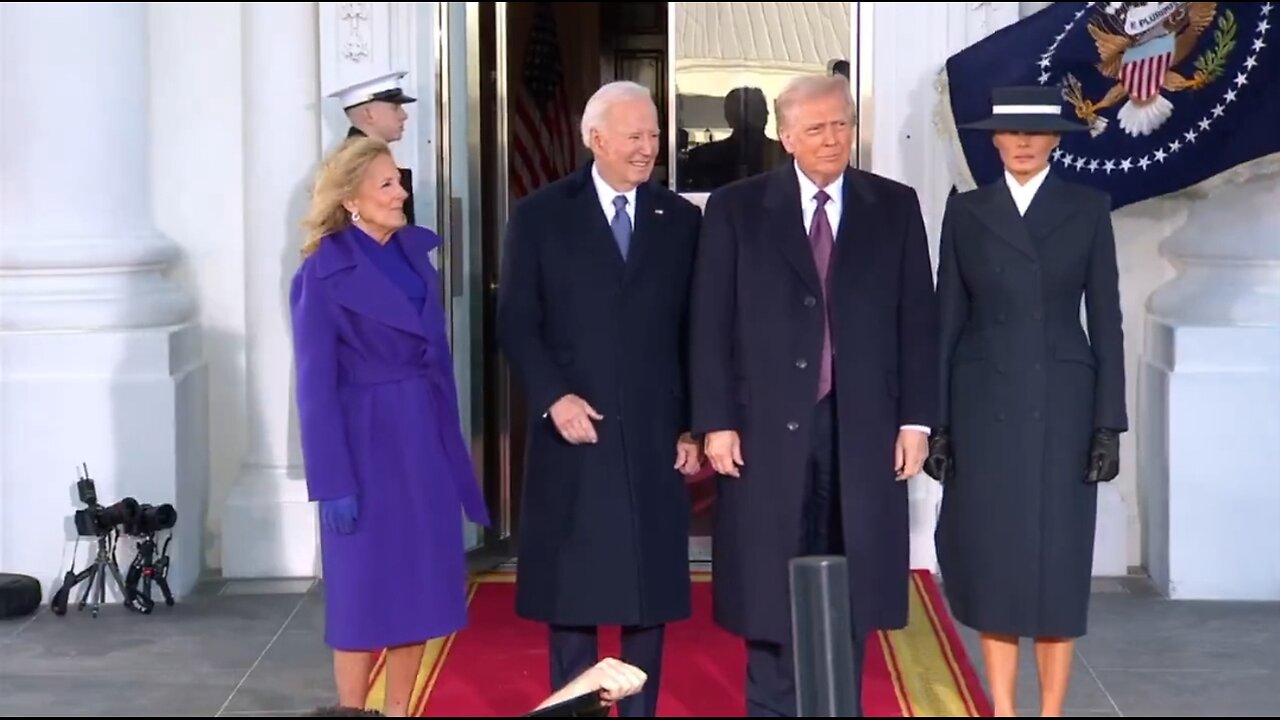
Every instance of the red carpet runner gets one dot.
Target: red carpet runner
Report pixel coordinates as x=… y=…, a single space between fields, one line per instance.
x=498 y=666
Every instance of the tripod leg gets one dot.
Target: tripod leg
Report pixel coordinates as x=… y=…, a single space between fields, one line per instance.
x=102 y=587
x=115 y=572
x=89 y=574
x=164 y=588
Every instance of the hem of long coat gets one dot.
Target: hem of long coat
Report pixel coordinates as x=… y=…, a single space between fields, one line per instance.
x=963 y=615
x=602 y=620
x=376 y=644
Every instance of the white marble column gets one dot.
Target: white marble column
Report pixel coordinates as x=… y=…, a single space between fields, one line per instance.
x=80 y=250
x=100 y=362
x=268 y=526
x=1210 y=402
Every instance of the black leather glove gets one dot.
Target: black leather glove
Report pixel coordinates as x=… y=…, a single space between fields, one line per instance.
x=940 y=465
x=1104 y=457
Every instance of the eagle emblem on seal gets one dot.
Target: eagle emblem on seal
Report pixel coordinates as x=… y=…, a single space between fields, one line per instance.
x=1141 y=46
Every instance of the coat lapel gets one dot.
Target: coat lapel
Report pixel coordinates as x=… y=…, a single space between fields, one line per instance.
x=1049 y=209
x=591 y=233
x=361 y=287
x=786 y=224
x=999 y=212
x=418 y=242
x=648 y=228
x=858 y=216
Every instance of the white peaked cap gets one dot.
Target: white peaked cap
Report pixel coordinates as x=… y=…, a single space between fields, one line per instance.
x=383 y=87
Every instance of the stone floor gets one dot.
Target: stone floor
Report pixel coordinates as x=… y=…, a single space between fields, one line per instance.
x=255 y=648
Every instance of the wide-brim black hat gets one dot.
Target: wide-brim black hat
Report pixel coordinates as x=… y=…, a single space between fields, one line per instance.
x=1027 y=109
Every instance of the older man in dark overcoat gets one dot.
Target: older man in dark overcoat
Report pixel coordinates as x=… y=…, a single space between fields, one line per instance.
x=592 y=316
x=814 y=325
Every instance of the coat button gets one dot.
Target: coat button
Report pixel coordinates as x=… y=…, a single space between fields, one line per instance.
x=1036 y=315
x=810 y=301
x=802 y=363
x=999 y=417
x=1035 y=415
x=793 y=426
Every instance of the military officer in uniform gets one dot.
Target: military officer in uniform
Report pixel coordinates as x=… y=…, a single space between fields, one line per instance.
x=375 y=108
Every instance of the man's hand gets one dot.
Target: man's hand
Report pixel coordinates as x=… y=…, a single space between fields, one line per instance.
x=688 y=455
x=909 y=453
x=613 y=679
x=724 y=450
x=572 y=417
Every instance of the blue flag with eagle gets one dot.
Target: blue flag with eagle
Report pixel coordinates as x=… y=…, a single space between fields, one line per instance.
x=1175 y=93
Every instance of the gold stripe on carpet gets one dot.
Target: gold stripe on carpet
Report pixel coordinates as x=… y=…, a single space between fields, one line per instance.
x=433 y=656
x=924 y=670
x=926 y=674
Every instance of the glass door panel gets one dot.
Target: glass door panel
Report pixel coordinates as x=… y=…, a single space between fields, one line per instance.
x=472 y=210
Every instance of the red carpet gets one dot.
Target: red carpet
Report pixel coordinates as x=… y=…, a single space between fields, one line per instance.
x=498 y=666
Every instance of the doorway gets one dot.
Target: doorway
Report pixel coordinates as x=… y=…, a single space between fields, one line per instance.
x=714 y=69
x=473 y=201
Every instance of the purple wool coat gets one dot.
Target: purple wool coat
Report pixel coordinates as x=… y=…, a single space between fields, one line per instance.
x=378 y=410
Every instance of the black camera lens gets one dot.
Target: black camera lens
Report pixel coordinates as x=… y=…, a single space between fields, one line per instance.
x=153 y=518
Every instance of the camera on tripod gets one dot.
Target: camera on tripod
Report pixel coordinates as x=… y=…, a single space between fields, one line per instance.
x=150 y=519
x=96 y=520
x=107 y=523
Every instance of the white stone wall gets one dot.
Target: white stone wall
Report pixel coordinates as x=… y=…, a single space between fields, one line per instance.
x=144 y=262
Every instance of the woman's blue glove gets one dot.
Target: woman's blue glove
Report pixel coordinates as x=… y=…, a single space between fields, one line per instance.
x=339 y=515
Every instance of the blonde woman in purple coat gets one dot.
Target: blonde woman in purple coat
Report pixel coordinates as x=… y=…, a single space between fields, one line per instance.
x=381 y=435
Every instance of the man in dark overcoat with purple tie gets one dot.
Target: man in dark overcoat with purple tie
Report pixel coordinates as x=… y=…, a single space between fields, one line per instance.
x=814 y=380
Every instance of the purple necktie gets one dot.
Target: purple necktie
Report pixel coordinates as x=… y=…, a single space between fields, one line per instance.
x=821 y=240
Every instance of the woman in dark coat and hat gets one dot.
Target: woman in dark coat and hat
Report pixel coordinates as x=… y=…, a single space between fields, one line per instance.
x=1032 y=404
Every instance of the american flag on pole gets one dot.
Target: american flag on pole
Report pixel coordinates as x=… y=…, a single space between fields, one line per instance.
x=543 y=141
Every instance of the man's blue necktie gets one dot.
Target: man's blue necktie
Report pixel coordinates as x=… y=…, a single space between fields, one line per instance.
x=621 y=225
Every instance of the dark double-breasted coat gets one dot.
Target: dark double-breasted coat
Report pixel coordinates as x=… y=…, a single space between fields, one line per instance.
x=406 y=180
x=755 y=354
x=1023 y=389
x=604 y=527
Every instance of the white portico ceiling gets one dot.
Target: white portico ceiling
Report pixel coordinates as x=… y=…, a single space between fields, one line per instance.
x=801 y=33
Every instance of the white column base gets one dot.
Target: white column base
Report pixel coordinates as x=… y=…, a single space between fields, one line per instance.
x=132 y=405
x=269 y=528
x=1111 y=538
x=1211 y=426
x=1209 y=403
x=924 y=501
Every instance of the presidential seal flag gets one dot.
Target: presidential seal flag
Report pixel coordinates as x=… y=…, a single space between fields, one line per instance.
x=1176 y=94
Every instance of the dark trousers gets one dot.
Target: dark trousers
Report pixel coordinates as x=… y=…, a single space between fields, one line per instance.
x=574 y=649
x=771 y=688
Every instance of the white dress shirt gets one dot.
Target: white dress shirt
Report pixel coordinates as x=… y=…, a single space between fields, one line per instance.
x=1024 y=194
x=607 y=194
x=835 y=210
x=808 y=205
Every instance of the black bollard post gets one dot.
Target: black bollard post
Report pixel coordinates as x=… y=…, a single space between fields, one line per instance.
x=823 y=634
